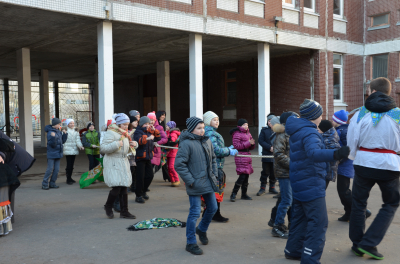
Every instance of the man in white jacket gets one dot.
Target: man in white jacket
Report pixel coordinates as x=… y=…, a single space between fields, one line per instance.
x=374 y=141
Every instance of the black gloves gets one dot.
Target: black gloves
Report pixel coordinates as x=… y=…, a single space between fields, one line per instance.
x=341 y=153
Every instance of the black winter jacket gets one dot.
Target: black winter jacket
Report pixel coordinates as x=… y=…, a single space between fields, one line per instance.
x=281 y=152
x=146 y=147
x=264 y=139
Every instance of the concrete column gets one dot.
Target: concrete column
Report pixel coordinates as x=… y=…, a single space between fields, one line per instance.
x=7 y=106
x=56 y=100
x=105 y=71
x=95 y=97
x=44 y=104
x=25 y=99
x=196 y=75
x=264 y=103
x=163 y=89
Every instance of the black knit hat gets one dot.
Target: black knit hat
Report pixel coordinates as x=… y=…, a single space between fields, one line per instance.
x=132 y=119
x=286 y=115
x=325 y=125
x=242 y=121
x=55 y=121
x=192 y=122
x=89 y=124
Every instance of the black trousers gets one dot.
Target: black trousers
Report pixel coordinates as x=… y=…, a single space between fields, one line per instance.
x=144 y=176
x=165 y=173
x=93 y=162
x=118 y=190
x=365 y=178
x=267 y=171
x=133 y=173
x=343 y=189
x=70 y=164
x=243 y=180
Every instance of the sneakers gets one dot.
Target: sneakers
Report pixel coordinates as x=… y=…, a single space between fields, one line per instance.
x=233 y=197
x=145 y=196
x=279 y=231
x=127 y=215
x=271 y=223
x=194 y=249
x=261 y=191
x=175 y=184
x=246 y=197
x=344 y=218
x=54 y=186
x=140 y=200
x=292 y=258
x=373 y=252
x=368 y=213
x=202 y=236
x=356 y=252
x=45 y=187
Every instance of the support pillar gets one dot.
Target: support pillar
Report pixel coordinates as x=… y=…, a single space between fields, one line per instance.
x=25 y=99
x=44 y=104
x=7 y=106
x=163 y=89
x=196 y=75
x=105 y=71
x=95 y=98
x=264 y=104
x=56 y=100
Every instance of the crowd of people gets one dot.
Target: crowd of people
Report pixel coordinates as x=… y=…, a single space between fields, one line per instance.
x=300 y=150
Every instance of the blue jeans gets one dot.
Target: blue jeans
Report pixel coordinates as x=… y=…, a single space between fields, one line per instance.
x=286 y=200
x=194 y=214
x=53 y=166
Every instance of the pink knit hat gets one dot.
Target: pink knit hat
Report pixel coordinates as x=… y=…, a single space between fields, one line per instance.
x=152 y=115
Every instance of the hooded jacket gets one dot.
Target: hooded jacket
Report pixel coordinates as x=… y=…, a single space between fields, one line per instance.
x=308 y=158
x=156 y=160
x=331 y=141
x=196 y=164
x=281 y=152
x=55 y=143
x=73 y=143
x=218 y=144
x=345 y=167
x=240 y=140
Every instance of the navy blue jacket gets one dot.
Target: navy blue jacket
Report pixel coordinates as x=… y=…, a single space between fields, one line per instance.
x=264 y=139
x=345 y=167
x=146 y=147
x=331 y=141
x=308 y=158
x=55 y=144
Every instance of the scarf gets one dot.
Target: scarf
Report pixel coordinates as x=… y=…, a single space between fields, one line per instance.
x=124 y=134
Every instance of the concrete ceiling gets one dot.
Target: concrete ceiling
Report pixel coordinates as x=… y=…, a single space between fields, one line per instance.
x=66 y=45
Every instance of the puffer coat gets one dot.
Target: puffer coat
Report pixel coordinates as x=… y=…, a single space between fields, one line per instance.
x=281 y=152
x=345 y=167
x=73 y=143
x=116 y=167
x=55 y=143
x=218 y=144
x=156 y=160
x=331 y=141
x=196 y=164
x=240 y=139
x=173 y=135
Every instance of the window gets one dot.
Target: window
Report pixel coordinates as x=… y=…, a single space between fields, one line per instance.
x=380 y=20
x=338 y=8
x=337 y=77
x=380 y=66
x=289 y=2
x=230 y=87
x=309 y=5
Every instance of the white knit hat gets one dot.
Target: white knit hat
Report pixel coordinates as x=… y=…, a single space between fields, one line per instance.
x=208 y=116
x=69 y=121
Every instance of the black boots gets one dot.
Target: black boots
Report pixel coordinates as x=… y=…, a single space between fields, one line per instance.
x=280 y=231
x=218 y=217
x=70 y=181
x=123 y=199
x=194 y=249
x=272 y=188
x=261 y=191
x=202 y=236
x=244 y=192
x=109 y=205
x=234 y=192
x=117 y=205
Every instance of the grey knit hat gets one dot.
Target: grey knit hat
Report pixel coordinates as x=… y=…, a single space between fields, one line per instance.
x=310 y=109
x=134 y=113
x=143 y=120
x=55 y=121
x=121 y=118
x=192 y=122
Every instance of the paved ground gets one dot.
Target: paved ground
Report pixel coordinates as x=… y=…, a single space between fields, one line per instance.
x=68 y=225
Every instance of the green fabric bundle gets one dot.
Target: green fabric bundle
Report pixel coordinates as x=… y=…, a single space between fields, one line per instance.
x=95 y=174
x=156 y=223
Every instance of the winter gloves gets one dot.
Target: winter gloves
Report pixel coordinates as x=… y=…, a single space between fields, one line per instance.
x=341 y=153
x=233 y=152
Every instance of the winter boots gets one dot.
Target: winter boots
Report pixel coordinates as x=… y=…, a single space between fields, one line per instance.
x=280 y=231
x=261 y=191
x=202 y=236
x=194 y=249
x=234 y=192
x=70 y=181
x=109 y=205
x=123 y=198
x=217 y=217
x=244 y=192
x=272 y=188
x=117 y=205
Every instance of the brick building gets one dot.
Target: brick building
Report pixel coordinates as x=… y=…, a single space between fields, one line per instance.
x=238 y=58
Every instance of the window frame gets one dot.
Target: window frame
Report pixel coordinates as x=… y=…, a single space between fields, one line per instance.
x=337 y=66
x=382 y=14
x=341 y=16
x=292 y=5
x=312 y=10
x=372 y=65
x=226 y=81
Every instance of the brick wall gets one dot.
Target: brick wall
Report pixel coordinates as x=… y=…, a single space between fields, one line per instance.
x=196 y=7
x=353 y=83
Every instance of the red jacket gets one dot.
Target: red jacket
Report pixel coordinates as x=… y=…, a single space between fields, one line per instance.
x=240 y=139
x=173 y=134
x=157 y=151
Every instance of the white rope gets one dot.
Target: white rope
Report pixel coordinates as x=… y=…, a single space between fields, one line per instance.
x=244 y=156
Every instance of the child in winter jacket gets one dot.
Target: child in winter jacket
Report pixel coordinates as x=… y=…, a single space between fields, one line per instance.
x=173 y=134
x=331 y=141
x=243 y=142
x=308 y=158
x=196 y=165
x=211 y=120
x=145 y=135
x=116 y=145
x=156 y=160
x=71 y=148
x=91 y=142
x=55 y=141
x=131 y=129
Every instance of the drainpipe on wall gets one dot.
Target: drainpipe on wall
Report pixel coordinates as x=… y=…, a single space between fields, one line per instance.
x=326 y=62
x=364 y=58
x=205 y=16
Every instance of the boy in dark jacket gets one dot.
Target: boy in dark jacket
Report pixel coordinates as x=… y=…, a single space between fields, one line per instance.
x=264 y=139
x=308 y=158
x=55 y=141
x=145 y=135
x=196 y=164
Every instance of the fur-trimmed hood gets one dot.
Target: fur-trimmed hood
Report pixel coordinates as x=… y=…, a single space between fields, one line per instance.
x=278 y=128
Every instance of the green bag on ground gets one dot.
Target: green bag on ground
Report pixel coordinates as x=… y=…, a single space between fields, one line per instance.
x=156 y=223
x=89 y=177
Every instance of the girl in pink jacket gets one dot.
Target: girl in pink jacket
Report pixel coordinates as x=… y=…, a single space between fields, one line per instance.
x=173 y=134
x=243 y=142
